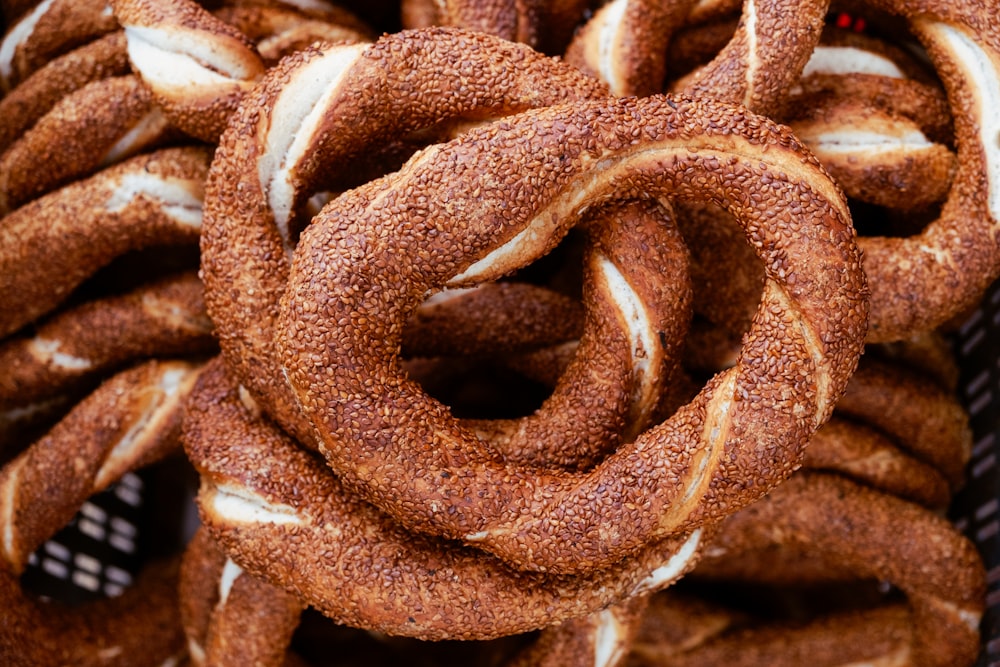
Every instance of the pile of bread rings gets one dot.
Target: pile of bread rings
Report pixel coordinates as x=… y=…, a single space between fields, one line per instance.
x=529 y=326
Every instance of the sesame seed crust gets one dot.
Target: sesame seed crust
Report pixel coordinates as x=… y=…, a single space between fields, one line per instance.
x=360 y=568
x=366 y=253
x=385 y=94
x=146 y=201
x=876 y=535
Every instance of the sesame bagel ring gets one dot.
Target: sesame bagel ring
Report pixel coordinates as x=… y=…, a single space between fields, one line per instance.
x=601 y=639
x=952 y=261
x=231 y=618
x=865 y=455
x=369 y=572
x=149 y=200
x=719 y=635
x=919 y=282
x=131 y=420
x=89 y=129
x=51 y=28
x=876 y=535
x=626 y=41
x=926 y=420
x=36 y=95
x=876 y=157
x=546 y=26
x=369 y=95
x=74 y=346
x=197 y=66
x=557 y=162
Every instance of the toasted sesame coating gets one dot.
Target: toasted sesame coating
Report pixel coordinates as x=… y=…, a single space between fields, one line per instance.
x=281 y=515
x=692 y=632
x=231 y=617
x=764 y=58
x=61 y=26
x=627 y=353
x=927 y=421
x=196 y=65
x=150 y=200
x=76 y=346
x=880 y=536
x=402 y=83
x=131 y=420
x=33 y=97
x=366 y=254
x=89 y=129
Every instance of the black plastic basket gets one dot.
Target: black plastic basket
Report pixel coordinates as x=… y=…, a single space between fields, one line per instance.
x=977 y=509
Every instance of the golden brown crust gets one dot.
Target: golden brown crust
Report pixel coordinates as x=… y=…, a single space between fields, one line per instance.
x=57 y=27
x=131 y=630
x=929 y=353
x=628 y=350
x=601 y=639
x=94 y=127
x=504 y=509
x=867 y=457
x=164 y=318
x=470 y=74
x=131 y=420
x=149 y=200
x=926 y=420
x=765 y=57
x=719 y=637
x=504 y=317
x=368 y=572
x=230 y=617
x=956 y=257
x=37 y=94
x=279 y=30
x=196 y=66
x=922 y=281
x=876 y=157
x=624 y=44
x=877 y=535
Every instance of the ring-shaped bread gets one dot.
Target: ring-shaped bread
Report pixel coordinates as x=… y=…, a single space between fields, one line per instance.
x=149 y=200
x=335 y=104
x=873 y=535
x=625 y=45
x=78 y=345
x=131 y=420
x=493 y=200
x=303 y=531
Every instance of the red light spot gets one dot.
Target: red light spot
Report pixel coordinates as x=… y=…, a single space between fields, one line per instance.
x=843 y=20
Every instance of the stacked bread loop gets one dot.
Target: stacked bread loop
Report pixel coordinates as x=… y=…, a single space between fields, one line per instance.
x=500 y=323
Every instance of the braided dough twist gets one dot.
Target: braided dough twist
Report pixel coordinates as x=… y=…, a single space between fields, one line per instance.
x=555 y=163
